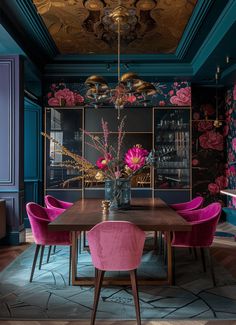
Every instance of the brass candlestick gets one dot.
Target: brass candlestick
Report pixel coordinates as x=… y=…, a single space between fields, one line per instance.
x=106 y=205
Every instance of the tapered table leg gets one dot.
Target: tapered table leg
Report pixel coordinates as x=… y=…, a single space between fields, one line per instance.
x=74 y=257
x=169 y=259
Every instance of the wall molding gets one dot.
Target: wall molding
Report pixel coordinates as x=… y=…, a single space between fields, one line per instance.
x=10 y=179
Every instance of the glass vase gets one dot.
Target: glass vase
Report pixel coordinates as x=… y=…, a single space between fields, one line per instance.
x=118 y=191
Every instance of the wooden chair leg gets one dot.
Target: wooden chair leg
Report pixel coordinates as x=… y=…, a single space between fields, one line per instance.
x=203 y=259
x=41 y=256
x=54 y=249
x=160 y=242
x=133 y=278
x=34 y=261
x=173 y=264
x=195 y=252
x=49 y=252
x=155 y=240
x=98 y=284
x=70 y=261
x=207 y=250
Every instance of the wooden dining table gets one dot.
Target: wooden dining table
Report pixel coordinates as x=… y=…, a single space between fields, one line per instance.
x=150 y=214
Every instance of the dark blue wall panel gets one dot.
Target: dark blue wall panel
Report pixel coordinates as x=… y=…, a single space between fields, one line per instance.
x=11 y=144
x=32 y=154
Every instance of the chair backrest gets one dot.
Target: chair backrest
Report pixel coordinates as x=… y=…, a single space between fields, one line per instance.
x=39 y=218
x=204 y=222
x=116 y=245
x=194 y=204
x=52 y=202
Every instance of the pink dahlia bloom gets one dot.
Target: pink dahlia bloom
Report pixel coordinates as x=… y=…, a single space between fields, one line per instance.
x=213 y=188
x=135 y=157
x=102 y=162
x=234 y=144
x=211 y=140
x=234 y=92
x=182 y=98
x=53 y=101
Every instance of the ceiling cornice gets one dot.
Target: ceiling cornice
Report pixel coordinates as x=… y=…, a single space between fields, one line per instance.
x=36 y=24
x=200 y=11
x=222 y=25
x=143 y=69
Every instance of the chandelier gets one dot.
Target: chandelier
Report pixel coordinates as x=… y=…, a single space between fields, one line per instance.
x=130 y=88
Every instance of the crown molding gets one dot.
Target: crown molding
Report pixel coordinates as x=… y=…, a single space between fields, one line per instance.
x=215 y=35
x=199 y=13
x=143 y=69
x=37 y=27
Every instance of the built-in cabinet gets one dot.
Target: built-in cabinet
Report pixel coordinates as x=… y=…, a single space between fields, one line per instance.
x=62 y=177
x=167 y=130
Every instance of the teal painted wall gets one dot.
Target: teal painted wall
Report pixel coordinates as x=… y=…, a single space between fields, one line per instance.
x=33 y=162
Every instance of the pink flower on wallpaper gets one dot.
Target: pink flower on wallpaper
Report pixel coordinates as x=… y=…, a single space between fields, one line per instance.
x=131 y=99
x=196 y=116
x=232 y=170
x=211 y=140
x=204 y=126
x=234 y=144
x=228 y=98
x=208 y=109
x=171 y=92
x=66 y=95
x=222 y=182
x=53 y=101
x=230 y=156
x=213 y=188
x=78 y=98
x=226 y=130
x=234 y=92
x=234 y=202
x=182 y=98
x=195 y=162
x=161 y=103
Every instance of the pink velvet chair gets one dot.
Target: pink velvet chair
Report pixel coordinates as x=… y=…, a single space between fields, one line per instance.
x=204 y=222
x=194 y=204
x=39 y=218
x=52 y=202
x=116 y=246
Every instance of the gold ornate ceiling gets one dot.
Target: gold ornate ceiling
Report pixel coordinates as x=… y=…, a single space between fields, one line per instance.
x=84 y=26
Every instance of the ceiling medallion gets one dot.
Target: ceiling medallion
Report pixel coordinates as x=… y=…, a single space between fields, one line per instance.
x=130 y=87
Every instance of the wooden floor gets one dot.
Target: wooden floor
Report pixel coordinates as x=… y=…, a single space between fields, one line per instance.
x=172 y=322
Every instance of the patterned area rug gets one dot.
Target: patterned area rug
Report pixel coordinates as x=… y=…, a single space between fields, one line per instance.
x=50 y=297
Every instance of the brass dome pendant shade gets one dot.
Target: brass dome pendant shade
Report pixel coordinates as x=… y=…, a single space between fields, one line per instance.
x=129 y=84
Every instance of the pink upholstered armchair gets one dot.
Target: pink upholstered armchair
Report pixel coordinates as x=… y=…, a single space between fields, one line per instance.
x=39 y=218
x=204 y=222
x=194 y=204
x=52 y=202
x=116 y=246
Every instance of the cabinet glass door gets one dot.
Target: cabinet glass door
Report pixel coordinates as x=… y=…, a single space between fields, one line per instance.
x=64 y=125
x=172 y=146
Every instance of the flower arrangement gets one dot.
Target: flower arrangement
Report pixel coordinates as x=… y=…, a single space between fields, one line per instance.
x=60 y=95
x=112 y=164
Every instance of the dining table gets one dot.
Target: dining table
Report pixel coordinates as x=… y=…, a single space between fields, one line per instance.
x=149 y=214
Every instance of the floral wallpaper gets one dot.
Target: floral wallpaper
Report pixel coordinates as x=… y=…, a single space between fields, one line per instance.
x=208 y=144
x=230 y=132
x=73 y=94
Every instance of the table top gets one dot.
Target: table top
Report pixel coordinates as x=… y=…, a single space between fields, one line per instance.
x=148 y=214
x=229 y=192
